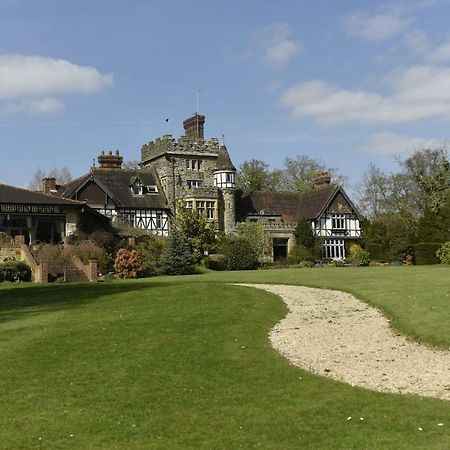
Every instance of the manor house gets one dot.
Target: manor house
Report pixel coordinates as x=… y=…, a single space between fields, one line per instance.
x=200 y=175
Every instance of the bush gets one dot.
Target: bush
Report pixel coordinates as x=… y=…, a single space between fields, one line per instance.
x=304 y=234
x=53 y=255
x=358 y=256
x=215 y=262
x=128 y=264
x=14 y=271
x=151 y=249
x=305 y=264
x=425 y=252
x=177 y=258
x=443 y=253
x=4 y=238
x=239 y=254
x=300 y=253
x=254 y=233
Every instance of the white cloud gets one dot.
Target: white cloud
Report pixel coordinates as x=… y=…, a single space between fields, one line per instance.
x=375 y=26
x=441 y=53
x=417 y=93
x=37 y=106
x=32 y=76
x=395 y=144
x=278 y=46
x=29 y=84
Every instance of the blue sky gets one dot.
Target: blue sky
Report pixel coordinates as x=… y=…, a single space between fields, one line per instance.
x=347 y=82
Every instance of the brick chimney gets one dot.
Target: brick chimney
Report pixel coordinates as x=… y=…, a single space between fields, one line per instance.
x=322 y=180
x=110 y=161
x=49 y=184
x=194 y=127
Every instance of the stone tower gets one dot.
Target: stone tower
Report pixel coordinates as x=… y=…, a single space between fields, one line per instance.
x=225 y=181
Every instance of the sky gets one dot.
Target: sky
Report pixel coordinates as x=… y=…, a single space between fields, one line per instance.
x=347 y=82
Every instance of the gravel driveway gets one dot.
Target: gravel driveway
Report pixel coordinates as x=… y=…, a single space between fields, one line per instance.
x=333 y=334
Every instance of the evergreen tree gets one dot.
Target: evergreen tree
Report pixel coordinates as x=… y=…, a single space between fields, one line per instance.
x=177 y=258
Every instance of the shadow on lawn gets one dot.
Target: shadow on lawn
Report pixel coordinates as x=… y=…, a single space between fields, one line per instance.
x=32 y=299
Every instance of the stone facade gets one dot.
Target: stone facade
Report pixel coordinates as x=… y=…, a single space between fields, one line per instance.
x=200 y=175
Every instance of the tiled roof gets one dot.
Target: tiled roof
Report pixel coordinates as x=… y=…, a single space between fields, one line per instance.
x=116 y=183
x=12 y=194
x=291 y=206
x=223 y=161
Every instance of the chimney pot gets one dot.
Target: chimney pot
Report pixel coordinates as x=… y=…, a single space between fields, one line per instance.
x=110 y=161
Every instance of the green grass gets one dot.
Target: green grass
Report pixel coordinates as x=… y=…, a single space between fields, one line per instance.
x=185 y=362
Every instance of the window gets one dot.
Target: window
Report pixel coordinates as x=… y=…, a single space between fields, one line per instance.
x=193 y=164
x=136 y=188
x=193 y=184
x=210 y=206
x=158 y=221
x=151 y=189
x=338 y=222
x=189 y=204
x=128 y=217
x=334 y=249
x=230 y=177
x=200 y=206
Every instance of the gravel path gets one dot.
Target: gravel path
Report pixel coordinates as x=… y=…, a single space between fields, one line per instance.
x=333 y=334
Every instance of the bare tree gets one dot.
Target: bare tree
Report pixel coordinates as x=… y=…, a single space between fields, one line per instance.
x=62 y=175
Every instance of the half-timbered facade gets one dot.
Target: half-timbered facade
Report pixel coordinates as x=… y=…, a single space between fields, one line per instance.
x=133 y=196
x=43 y=217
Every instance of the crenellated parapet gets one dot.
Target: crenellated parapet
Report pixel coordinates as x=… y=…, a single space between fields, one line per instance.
x=168 y=145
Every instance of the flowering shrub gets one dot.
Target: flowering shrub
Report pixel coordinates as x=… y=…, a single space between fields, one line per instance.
x=128 y=263
x=358 y=256
x=443 y=253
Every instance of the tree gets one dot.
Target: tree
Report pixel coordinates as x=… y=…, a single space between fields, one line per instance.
x=62 y=175
x=304 y=235
x=198 y=231
x=299 y=173
x=256 y=175
x=255 y=235
x=177 y=258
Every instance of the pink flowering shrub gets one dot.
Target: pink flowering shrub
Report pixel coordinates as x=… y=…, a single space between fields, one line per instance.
x=128 y=264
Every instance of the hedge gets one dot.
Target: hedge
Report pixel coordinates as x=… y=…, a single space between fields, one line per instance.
x=15 y=271
x=425 y=252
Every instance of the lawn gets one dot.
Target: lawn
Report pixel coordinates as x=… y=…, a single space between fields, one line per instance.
x=185 y=362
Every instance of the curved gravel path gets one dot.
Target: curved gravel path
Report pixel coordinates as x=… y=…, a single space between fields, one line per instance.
x=331 y=333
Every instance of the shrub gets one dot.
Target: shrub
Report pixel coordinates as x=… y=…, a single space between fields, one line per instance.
x=177 y=258
x=85 y=250
x=4 y=238
x=254 y=233
x=306 y=264
x=215 y=262
x=53 y=255
x=443 y=253
x=239 y=254
x=300 y=253
x=425 y=252
x=151 y=249
x=358 y=256
x=128 y=264
x=14 y=271
x=304 y=234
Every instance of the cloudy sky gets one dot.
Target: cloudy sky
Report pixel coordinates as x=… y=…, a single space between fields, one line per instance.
x=348 y=82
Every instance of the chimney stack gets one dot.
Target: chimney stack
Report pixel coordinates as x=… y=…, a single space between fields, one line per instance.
x=322 y=180
x=194 y=127
x=49 y=185
x=110 y=161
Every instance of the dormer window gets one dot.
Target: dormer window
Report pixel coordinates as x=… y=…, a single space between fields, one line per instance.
x=137 y=188
x=151 y=189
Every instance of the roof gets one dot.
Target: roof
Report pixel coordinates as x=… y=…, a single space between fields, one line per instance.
x=291 y=206
x=13 y=194
x=223 y=161
x=116 y=184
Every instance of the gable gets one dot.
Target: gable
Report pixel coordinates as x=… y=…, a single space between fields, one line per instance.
x=340 y=205
x=92 y=193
